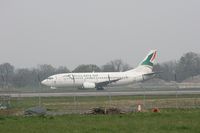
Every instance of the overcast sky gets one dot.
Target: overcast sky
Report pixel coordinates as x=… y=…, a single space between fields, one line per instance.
x=73 y=32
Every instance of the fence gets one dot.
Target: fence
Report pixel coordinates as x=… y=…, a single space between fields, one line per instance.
x=78 y=105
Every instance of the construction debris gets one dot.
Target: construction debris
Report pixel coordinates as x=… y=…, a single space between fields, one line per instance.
x=104 y=111
x=35 y=111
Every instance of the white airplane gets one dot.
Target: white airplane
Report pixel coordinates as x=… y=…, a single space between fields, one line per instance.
x=104 y=79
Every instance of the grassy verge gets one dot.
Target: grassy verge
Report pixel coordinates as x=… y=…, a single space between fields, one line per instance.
x=173 y=121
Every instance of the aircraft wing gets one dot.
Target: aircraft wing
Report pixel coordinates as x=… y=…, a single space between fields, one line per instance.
x=106 y=83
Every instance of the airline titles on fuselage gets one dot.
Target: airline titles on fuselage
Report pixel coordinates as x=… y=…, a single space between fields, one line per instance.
x=92 y=76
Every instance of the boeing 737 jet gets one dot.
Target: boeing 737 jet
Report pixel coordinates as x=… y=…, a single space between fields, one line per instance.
x=104 y=79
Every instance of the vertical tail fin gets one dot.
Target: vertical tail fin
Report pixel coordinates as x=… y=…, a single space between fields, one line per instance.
x=146 y=66
x=149 y=59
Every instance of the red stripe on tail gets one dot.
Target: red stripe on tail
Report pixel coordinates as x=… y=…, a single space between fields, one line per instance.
x=154 y=56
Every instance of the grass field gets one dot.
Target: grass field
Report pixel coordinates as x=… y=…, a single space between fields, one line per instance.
x=171 y=120
x=168 y=120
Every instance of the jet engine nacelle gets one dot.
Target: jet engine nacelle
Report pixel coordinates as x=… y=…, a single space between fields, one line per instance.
x=53 y=88
x=138 y=78
x=88 y=85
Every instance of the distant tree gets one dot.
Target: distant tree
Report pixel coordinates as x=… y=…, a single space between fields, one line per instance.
x=25 y=77
x=6 y=74
x=115 y=66
x=45 y=71
x=188 y=66
x=168 y=70
x=87 y=68
x=62 y=69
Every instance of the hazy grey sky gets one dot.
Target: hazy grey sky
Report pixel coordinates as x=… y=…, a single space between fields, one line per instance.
x=73 y=32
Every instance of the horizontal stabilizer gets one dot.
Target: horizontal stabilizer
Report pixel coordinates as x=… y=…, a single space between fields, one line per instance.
x=153 y=73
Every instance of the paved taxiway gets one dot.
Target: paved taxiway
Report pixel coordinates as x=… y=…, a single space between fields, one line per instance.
x=102 y=93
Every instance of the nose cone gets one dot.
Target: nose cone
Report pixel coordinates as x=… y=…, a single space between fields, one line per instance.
x=44 y=82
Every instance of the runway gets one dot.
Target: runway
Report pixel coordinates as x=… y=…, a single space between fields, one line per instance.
x=101 y=93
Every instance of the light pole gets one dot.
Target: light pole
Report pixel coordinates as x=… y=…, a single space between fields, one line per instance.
x=144 y=95
x=39 y=85
x=177 y=88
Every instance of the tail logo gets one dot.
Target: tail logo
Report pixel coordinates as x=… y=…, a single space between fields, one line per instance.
x=148 y=61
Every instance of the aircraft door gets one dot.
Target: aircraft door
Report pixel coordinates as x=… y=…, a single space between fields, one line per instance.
x=55 y=80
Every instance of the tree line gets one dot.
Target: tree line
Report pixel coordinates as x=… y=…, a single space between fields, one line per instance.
x=26 y=77
x=187 y=66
